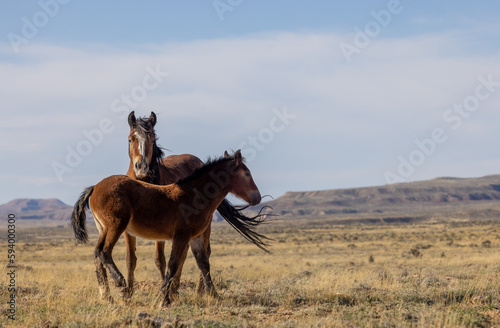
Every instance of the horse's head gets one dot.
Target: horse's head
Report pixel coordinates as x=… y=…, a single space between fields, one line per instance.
x=141 y=142
x=242 y=184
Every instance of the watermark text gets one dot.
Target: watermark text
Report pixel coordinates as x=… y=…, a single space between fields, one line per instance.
x=94 y=137
x=222 y=7
x=454 y=119
x=11 y=266
x=32 y=26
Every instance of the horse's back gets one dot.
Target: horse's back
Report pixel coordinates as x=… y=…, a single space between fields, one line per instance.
x=114 y=195
x=175 y=167
x=144 y=209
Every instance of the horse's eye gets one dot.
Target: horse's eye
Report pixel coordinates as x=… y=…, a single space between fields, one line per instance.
x=129 y=140
x=247 y=174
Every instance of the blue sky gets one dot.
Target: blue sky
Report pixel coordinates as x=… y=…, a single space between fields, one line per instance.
x=318 y=94
x=130 y=22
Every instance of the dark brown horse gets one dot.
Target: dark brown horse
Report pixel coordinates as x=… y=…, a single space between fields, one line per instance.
x=147 y=164
x=180 y=212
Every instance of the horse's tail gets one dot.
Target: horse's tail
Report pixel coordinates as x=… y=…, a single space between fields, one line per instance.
x=78 y=217
x=244 y=224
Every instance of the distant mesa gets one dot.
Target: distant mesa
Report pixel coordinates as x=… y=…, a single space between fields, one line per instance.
x=439 y=199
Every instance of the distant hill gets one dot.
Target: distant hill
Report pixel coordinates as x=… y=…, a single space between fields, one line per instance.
x=37 y=209
x=438 y=199
x=45 y=209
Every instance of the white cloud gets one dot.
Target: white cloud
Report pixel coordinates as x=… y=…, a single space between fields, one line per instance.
x=221 y=91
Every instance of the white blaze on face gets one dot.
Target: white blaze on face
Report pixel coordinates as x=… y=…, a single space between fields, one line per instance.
x=142 y=146
x=141 y=168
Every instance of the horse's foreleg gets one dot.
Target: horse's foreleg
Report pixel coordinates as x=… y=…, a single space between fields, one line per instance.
x=176 y=280
x=161 y=264
x=202 y=254
x=197 y=246
x=130 y=242
x=200 y=245
x=204 y=265
x=180 y=244
x=160 y=261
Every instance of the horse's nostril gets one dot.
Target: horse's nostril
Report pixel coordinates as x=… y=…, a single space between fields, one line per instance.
x=255 y=198
x=137 y=165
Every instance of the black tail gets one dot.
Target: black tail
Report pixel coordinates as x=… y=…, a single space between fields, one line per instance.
x=78 y=217
x=244 y=224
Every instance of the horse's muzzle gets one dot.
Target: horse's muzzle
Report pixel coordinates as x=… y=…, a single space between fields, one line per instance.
x=141 y=169
x=255 y=198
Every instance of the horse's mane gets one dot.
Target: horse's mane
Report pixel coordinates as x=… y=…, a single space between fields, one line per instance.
x=234 y=216
x=145 y=127
x=207 y=167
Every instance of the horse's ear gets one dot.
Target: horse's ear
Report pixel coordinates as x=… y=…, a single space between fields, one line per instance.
x=131 y=119
x=238 y=158
x=152 y=119
x=226 y=155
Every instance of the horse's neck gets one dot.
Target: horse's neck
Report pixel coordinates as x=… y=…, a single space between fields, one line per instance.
x=154 y=173
x=209 y=187
x=176 y=167
x=167 y=174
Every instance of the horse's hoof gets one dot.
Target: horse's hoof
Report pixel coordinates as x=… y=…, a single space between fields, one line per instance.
x=108 y=299
x=164 y=303
x=126 y=299
x=174 y=296
x=126 y=293
x=214 y=294
x=162 y=300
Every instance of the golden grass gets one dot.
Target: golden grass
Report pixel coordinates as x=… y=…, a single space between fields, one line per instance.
x=435 y=275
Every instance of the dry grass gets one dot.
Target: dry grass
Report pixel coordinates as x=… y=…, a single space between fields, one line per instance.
x=440 y=275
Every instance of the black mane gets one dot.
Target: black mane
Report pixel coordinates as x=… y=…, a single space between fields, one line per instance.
x=235 y=216
x=144 y=126
x=209 y=165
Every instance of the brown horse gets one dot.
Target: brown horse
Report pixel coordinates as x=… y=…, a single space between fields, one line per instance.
x=147 y=164
x=179 y=212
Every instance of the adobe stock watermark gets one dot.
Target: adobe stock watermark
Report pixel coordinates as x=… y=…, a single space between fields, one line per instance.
x=265 y=136
x=454 y=118
x=31 y=26
x=94 y=137
x=222 y=7
x=371 y=30
x=11 y=266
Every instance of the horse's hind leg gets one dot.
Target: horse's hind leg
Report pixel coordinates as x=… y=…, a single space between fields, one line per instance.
x=102 y=277
x=130 y=242
x=103 y=252
x=160 y=261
